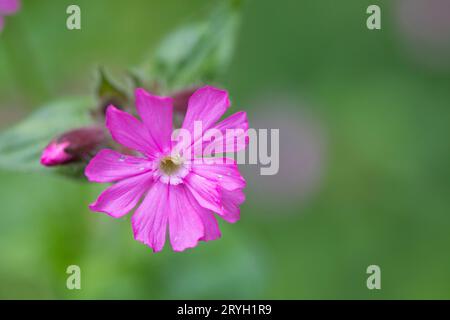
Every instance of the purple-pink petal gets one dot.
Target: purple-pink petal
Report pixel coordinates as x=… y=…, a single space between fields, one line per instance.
x=231 y=201
x=234 y=130
x=210 y=225
x=156 y=114
x=8 y=7
x=109 y=166
x=122 y=197
x=204 y=191
x=150 y=219
x=130 y=132
x=224 y=171
x=185 y=226
x=206 y=105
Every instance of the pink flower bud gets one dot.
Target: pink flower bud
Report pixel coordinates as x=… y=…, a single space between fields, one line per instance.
x=55 y=154
x=74 y=145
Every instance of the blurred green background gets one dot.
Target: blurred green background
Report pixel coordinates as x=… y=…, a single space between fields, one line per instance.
x=369 y=109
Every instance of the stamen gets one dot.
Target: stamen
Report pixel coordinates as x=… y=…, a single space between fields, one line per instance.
x=170 y=165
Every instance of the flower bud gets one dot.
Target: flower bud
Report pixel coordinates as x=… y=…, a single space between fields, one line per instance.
x=180 y=104
x=73 y=145
x=181 y=99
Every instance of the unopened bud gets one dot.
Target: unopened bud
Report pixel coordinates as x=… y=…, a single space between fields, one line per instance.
x=74 y=145
x=180 y=104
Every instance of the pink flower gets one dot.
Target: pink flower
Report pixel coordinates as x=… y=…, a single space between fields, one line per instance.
x=8 y=7
x=178 y=190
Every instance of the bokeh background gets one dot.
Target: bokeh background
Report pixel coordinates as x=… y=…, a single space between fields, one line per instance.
x=364 y=119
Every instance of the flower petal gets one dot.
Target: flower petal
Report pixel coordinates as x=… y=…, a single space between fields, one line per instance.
x=185 y=226
x=207 y=105
x=210 y=225
x=150 y=219
x=110 y=166
x=224 y=171
x=156 y=113
x=205 y=191
x=129 y=132
x=231 y=201
x=122 y=197
x=8 y=7
x=233 y=138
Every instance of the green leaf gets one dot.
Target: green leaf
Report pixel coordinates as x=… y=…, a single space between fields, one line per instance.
x=198 y=52
x=106 y=87
x=108 y=92
x=21 y=146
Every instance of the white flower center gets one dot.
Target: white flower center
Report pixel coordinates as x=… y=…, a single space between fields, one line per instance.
x=172 y=169
x=170 y=165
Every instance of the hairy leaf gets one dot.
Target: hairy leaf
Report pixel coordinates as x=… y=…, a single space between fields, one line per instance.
x=198 y=52
x=22 y=145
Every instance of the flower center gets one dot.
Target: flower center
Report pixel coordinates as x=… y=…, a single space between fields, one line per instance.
x=170 y=164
